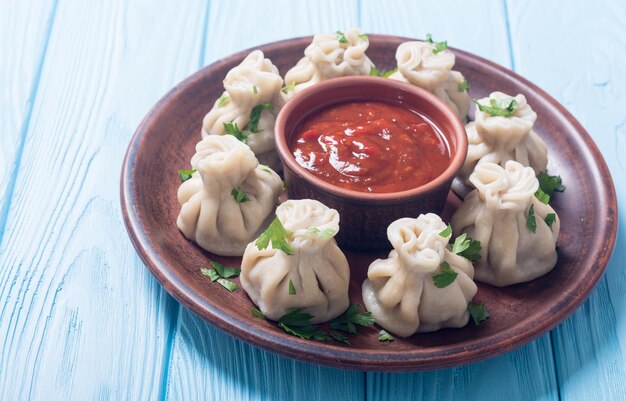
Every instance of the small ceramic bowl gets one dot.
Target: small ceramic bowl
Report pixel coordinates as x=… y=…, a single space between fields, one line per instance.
x=365 y=216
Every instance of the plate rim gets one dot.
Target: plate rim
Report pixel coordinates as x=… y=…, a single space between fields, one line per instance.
x=340 y=356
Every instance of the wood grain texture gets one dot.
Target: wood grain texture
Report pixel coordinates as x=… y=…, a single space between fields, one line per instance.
x=585 y=73
x=80 y=316
x=24 y=30
x=507 y=376
x=195 y=374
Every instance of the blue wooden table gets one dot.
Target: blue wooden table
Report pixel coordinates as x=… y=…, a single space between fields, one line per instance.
x=81 y=318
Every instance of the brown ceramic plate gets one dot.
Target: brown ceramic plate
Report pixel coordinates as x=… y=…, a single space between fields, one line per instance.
x=164 y=143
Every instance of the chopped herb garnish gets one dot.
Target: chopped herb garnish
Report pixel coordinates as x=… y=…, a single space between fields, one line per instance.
x=350 y=318
x=255 y=115
x=467 y=247
x=184 y=175
x=383 y=336
x=239 y=195
x=267 y=170
x=210 y=273
x=440 y=46
x=337 y=335
x=292 y=289
x=257 y=313
x=542 y=196
x=446 y=277
x=278 y=235
x=363 y=36
x=329 y=232
x=375 y=72
x=223 y=271
x=223 y=100
x=254 y=89
x=429 y=38
x=446 y=233
x=530 y=221
x=550 y=183
x=288 y=88
x=498 y=107
x=550 y=219
x=478 y=312
x=464 y=86
x=341 y=37
x=299 y=324
x=229 y=285
x=232 y=129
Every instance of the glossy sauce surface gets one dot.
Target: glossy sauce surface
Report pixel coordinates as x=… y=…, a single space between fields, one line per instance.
x=370 y=147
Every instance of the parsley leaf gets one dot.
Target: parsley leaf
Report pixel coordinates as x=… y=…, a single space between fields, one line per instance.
x=255 y=115
x=440 y=46
x=530 y=221
x=288 y=88
x=498 y=107
x=185 y=174
x=550 y=219
x=223 y=100
x=257 y=313
x=550 y=183
x=464 y=86
x=542 y=196
x=429 y=38
x=478 y=312
x=210 y=273
x=350 y=318
x=239 y=195
x=339 y=337
x=446 y=277
x=223 y=271
x=341 y=37
x=467 y=247
x=292 y=289
x=229 y=285
x=446 y=233
x=299 y=324
x=254 y=89
x=278 y=235
x=375 y=72
x=232 y=129
x=383 y=336
x=363 y=36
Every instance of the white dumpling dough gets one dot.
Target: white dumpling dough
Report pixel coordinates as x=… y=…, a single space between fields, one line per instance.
x=400 y=291
x=500 y=139
x=327 y=58
x=420 y=66
x=209 y=214
x=255 y=81
x=318 y=269
x=496 y=213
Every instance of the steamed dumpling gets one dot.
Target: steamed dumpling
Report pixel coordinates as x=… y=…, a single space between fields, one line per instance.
x=400 y=290
x=252 y=83
x=327 y=57
x=419 y=65
x=210 y=214
x=317 y=268
x=496 y=213
x=500 y=139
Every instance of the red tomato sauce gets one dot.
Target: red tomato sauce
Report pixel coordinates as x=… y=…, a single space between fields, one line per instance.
x=370 y=147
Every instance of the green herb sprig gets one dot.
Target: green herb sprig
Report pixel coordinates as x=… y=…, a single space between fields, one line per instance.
x=239 y=195
x=375 y=72
x=498 y=107
x=277 y=234
x=184 y=175
x=219 y=273
x=446 y=277
x=478 y=312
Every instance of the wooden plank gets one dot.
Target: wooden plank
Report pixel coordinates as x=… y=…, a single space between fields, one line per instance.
x=526 y=373
x=578 y=57
x=29 y=25
x=81 y=318
x=206 y=363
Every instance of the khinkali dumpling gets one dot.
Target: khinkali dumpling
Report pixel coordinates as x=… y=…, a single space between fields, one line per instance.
x=497 y=214
x=498 y=139
x=316 y=268
x=330 y=55
x=210 y=214
x=420 y=65
x=253 y=83
x=400 y=291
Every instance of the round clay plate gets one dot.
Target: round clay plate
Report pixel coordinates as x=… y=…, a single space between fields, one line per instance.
x=164 y=143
